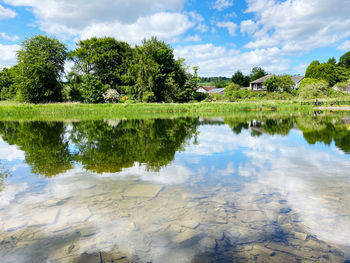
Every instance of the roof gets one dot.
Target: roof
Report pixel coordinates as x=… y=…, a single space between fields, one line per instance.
x=297 y=79
x=207 y=88
x=262 y=80
x=217 y=90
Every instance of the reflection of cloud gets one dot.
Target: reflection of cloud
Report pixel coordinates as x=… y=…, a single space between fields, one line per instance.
x=9 y=193
x=10 y=152
x=306 y=177
x=172 y=174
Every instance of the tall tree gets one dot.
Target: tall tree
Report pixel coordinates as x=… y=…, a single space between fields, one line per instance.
x=40 y=69
x=240 y=79
x=344 y=60
x=105 y=58
x=257 y=73
x=323 y=71
x=155 y=67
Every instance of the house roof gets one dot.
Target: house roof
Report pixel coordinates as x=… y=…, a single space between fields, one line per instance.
x=297 y=79
x=207 y=88
x=220 y=90
x=348 y=88
x=262 y=80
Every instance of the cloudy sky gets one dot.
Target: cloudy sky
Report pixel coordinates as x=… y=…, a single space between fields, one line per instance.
x=220 y=36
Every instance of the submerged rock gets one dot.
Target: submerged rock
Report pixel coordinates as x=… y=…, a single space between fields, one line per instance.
x=142 y=190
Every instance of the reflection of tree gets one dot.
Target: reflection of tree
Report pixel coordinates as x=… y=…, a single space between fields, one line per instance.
x=270 y=126
x=325 y=130
x=4 y=174
x=46 y=150
x=102 y=148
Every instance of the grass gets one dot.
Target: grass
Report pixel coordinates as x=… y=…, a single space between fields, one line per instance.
x=77 y=111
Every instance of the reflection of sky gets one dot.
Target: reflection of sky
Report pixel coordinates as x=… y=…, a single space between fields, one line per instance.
x=307 y=176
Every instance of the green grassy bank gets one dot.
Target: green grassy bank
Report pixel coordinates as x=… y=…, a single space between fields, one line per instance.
x=63 y=111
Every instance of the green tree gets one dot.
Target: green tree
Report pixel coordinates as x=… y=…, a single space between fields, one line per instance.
x=257 y=73
x=323 y=71
x=240 y=79
x=92 y=89
x=156 y=71
x=281 y=84
x=332 y=61
x=40 y=69
x=105 y=58
x=344 y=60
x=7 y=89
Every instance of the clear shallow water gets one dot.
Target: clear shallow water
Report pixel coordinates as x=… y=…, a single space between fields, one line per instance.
x=176 y=190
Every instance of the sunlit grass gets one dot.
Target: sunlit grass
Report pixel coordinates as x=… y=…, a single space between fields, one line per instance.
x=62 y=111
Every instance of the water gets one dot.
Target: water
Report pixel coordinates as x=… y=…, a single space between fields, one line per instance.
x=233 y=189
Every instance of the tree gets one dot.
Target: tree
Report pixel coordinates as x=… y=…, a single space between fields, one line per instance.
x=257 y=73
x=332 y=61
x=281 y=84
x=92 y=89
x=323 y=71
x=156 y=71
x=7 y=90
x=240 y=79
x=40 y=69
x=105 y=58
x=344 y=60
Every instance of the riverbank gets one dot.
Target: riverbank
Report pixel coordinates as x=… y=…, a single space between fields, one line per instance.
x=60 y=111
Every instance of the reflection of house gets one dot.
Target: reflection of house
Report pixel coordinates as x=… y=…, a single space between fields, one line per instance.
x=205 y=89
x=258 y=85
x=217 y=91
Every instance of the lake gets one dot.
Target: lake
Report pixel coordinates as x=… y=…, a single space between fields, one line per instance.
x=251 y=188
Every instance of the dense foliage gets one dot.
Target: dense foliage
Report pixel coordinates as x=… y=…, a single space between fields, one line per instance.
x=40 y=69
x=280 y=84
x=146 y=73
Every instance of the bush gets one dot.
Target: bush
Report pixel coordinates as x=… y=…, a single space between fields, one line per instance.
x=281 y=84
x=312 y=88
x=111 y=96
x=92 y=89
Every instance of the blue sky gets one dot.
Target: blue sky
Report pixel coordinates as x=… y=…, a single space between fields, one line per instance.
x=220 y=36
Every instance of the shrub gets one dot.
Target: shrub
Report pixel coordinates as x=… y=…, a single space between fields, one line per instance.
x=111 y=96
x=282 y=83
x=312 y=88
x=92 y=89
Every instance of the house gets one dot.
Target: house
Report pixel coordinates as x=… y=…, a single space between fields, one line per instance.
x=217 y=91
x=205 y=89
x=258 y=85
x=297 y=80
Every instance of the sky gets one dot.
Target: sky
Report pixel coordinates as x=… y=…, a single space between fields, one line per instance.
x=219 y=36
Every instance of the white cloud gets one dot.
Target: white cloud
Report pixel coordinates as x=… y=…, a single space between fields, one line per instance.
x=8 y=55
x=344 y=46
x=222 y=4
x=10 y=38
x=194 y=38
x=297 y=26
x=160 y=25
x=126 y=20
x=248 y=26
x=221 y=61
x=230 y=26
x=6 y=13
x=202 y=27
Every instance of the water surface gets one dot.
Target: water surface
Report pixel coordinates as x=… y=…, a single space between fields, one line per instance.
x=233 y=189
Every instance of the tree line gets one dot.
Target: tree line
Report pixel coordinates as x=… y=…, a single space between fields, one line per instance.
x=104 y=70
